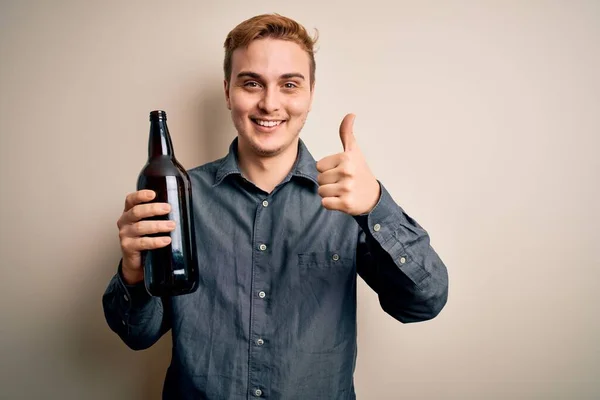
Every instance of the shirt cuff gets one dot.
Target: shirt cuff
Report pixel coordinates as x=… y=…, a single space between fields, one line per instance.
x=134 y=296
x=385 y=215
x=395 y=231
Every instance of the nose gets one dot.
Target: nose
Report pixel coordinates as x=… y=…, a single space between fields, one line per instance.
x=270 y=101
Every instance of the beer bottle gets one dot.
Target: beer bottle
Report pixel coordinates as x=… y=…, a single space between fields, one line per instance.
x=171 y=270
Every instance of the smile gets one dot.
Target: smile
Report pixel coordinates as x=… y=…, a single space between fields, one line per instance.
x=267 y=123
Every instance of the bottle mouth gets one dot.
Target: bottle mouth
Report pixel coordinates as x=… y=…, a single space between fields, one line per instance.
x=158 y=115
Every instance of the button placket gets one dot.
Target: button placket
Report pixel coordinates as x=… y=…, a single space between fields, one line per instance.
x=262 y=253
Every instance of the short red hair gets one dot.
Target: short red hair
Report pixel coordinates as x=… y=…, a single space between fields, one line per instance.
x=269 y=26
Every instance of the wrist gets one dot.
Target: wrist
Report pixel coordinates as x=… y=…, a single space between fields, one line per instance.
x=131 y=276
x=376 y=197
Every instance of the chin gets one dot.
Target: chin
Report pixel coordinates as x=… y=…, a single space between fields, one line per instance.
x=270 y=145
x=268 y=150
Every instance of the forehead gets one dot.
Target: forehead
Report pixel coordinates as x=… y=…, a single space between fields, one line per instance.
x=270 y=58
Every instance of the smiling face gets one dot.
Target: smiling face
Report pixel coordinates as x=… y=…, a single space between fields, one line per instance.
x=269 y=95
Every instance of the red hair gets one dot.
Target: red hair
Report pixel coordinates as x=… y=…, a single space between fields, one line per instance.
x=269 y=26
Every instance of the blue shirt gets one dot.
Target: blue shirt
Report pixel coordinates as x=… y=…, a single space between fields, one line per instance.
x=274 y=315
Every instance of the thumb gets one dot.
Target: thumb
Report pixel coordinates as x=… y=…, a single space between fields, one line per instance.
x=347 y=132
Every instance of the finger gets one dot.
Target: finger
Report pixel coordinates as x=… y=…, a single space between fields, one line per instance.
x=329 y=176
x=142 y=228
x=333 y=203
x=135 y=198
x=347 y=132
x=146 y=243
x=142 y=211
x=331 y=190
x=330 y=162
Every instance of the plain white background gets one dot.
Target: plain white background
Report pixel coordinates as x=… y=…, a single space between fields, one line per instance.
x=480 y=117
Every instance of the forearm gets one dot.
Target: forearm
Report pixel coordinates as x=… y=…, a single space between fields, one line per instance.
x=396 y=259
x=138 y=318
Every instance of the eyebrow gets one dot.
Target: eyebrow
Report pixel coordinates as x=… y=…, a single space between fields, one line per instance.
x=254 y=75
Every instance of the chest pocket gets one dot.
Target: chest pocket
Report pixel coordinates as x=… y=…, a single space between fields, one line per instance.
x=327 y=311
x=325 y=260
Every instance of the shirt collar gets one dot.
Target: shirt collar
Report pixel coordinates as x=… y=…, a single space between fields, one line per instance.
x=304 y=167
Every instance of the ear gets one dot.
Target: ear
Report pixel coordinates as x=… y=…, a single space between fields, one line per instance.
x=226 y=89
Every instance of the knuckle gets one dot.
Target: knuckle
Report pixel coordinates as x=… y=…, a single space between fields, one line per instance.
x=136 y=212
x=138 y=229
x=129 y=200
x=145 y=243
x=153 y=243
x=348 y=170
x=125 y=244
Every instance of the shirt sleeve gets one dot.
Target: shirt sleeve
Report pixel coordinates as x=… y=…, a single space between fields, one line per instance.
x=395 y=258
x=137 y=317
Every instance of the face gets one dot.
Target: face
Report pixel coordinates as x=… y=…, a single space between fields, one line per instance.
x=269 y=95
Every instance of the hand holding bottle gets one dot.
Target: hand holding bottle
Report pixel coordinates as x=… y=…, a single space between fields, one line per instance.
x=133 y=230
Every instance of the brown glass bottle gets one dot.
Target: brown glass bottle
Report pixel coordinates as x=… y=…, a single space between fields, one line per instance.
x=171 y=270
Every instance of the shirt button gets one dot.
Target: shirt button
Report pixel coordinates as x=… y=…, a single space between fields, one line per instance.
x=123 y=322
x=376 y=227
x=125 y=297
x=335 y=257
x=261 y=294
x=260 y=342
x=402 y=260
x=258 y=392
x=265 y=203
x=262 y=247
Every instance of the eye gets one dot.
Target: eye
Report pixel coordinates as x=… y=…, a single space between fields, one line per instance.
x=290 y=85
x=251 y=84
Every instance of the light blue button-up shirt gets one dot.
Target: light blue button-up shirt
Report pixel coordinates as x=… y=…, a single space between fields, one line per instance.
x=274 y=315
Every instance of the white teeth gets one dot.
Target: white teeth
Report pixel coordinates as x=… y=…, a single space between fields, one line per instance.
x=268 y=123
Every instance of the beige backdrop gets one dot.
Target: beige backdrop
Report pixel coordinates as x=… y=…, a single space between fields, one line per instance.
x=480 y=117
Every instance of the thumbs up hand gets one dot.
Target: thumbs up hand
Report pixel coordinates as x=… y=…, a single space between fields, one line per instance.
x=345 y=181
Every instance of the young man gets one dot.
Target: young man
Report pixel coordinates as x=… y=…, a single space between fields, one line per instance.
x=280 y=239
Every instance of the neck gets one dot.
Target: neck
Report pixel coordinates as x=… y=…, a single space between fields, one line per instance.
x=266 y=172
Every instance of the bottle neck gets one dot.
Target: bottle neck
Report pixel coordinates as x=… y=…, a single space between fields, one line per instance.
x=159 y=143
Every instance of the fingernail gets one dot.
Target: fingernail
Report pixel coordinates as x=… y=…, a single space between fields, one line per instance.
x=166 y=240
x=166 y=207
x=171 y=224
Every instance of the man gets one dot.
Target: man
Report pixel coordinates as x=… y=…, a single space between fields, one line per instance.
x=280 y=240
